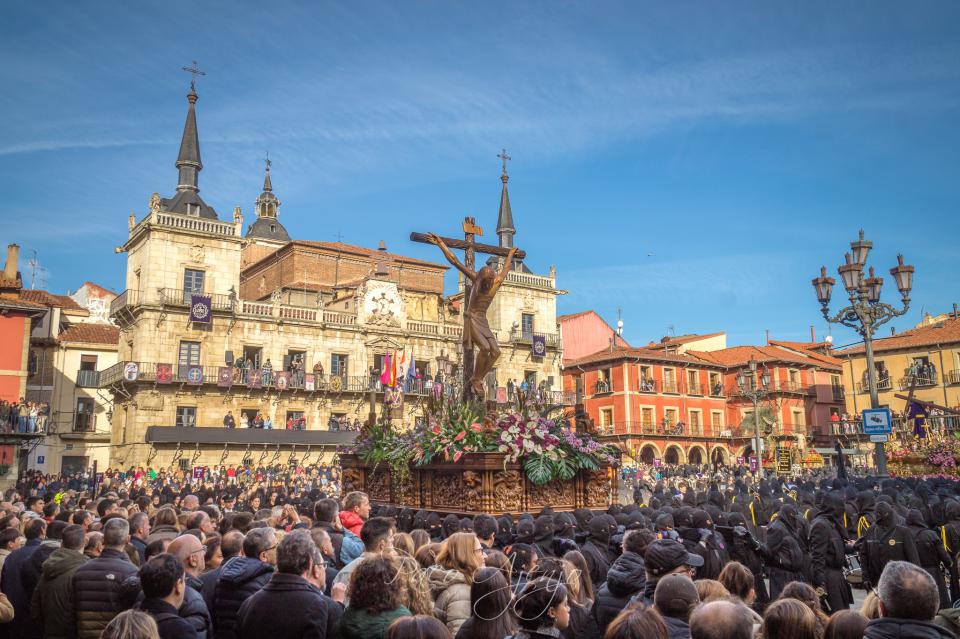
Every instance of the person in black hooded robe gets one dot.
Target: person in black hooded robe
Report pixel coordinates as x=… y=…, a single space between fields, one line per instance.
x=828 y=555
x=931 y=552
x=596 y=550
x=950 y=535
x=745 y=549
x=787 y=559
x=504 y=534
x=886 y=541
x=451 y=524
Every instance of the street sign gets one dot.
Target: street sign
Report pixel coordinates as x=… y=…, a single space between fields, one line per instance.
x=783 y=460
x=879 y=439
x=877 y=421
x=754 y=463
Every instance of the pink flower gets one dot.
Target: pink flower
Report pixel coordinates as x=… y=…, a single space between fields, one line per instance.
x=435 y=430
x=475 y=427
x=457 y=455
x=460 y=436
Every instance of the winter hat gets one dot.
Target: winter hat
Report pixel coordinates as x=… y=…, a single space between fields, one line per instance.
x=676 y=596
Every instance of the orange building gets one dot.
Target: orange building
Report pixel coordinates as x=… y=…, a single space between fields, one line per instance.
x=16 y=315
x=678 y=400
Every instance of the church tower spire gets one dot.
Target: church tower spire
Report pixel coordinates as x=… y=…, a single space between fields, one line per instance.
x=505 y=228
x=266 y=226
x=188 y=160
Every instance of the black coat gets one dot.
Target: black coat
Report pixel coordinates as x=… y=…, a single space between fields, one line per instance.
x=194 y=609
x=889 y=628
x=240 y=578
x=307 y=612
x=209 y=584
x=931 y=553
x=582 y=624
x=99 y=593
x=169 y=623
x=677 y=628
x=625 y=578
x=598 y=560
x=12 y=583
x=336 y=538
x=882 y=544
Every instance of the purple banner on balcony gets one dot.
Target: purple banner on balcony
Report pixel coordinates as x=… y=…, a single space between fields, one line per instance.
x=198 y=472
x=224 y=376
x=200 y=309
x=538 y=346
x=164 y=373
x=254 y=378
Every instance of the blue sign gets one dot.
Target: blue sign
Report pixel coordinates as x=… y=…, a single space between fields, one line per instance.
x=40 y=459
x=877 y=421
x=195 y=375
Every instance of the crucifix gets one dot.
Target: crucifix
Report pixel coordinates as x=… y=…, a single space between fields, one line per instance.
x=194 y=71
x=504 y=158
x=480 y=287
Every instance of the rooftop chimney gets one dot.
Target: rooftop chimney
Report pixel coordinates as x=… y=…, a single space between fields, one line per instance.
x=13 y=256
x=956 y=313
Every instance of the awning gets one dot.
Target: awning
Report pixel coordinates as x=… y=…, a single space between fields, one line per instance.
x=846 y=451
x=244 y=436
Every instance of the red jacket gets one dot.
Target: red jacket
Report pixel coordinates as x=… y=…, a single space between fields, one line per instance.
x=351 y=521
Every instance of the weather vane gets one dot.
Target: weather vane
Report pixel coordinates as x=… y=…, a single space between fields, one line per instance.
x=194 y=71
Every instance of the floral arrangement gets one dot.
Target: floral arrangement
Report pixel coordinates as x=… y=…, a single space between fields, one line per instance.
x=941 y=456
x=526 y=433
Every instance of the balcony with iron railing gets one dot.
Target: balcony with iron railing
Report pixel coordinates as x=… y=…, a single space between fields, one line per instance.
x=127 y=299
x=694 y=388
x=660 y=430
x=648 y=386
x=552 y=340
x=791 y=386
x=953 y=377
x=602 y=387
x=146 y=372
x=883 y=384
x=837 y=393
x=670 y=387
x=716 y=390
x=180 y=297
x=88 y=379
x=918 y=381
x=84 y=422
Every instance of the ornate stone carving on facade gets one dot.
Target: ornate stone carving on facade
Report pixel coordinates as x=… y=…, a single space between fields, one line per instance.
x=196 y=253
x=155 y=203
x=507 y=491
x=276 y=297
x=447 y=490
x=597 y=488
x=380 y=304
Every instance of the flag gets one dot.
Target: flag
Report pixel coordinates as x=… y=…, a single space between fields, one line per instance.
x=393 y=370
x=412 y=369
x=200 y=308
x=385 y=374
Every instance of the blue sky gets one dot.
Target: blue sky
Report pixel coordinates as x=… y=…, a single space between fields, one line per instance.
x=740 y=145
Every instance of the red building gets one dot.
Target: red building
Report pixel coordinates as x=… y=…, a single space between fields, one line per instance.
x=586 y=333
x=671 y=402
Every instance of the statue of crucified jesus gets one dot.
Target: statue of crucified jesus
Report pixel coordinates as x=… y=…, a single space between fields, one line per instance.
x=476 y=329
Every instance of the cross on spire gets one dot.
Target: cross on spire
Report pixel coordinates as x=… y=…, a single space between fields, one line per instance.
x=267 y=161
x=194 y=71
x=504 y=158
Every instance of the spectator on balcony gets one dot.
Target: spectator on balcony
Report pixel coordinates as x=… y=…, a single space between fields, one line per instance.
x=267 y=372
x=510 y=388
x=228 y=421
x=238 y=370
x=258 y=420
x=267 y=423
x=356 y=424
x=318 y=369
x=333 y=425
x=244 y=421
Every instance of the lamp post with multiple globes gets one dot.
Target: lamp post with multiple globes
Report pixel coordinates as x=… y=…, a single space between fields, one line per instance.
x=866 y=312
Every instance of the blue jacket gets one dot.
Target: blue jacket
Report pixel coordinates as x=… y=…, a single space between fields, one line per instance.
x=351 y=548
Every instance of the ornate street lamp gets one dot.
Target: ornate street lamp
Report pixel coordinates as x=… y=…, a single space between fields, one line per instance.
x=747 y=384
x=866 y=312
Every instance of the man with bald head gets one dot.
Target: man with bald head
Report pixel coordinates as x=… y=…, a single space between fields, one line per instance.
x=189 y=550
x=721 y=620
x=190 y=503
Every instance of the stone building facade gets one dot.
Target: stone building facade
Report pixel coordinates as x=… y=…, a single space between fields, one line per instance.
x=311 y=321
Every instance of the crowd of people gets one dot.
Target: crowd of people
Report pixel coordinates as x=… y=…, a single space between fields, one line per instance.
x=273 y=553
x=23 y=416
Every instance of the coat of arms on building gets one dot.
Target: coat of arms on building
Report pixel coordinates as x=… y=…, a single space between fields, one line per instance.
x=381 y=304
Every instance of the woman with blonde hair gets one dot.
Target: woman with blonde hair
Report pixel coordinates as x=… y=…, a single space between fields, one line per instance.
x=870 y=608
x=403 y=544
x=420 y=538
x=805 y=594
x=414 y=591
x=460 y=557
x=585 y=593
x=131 y=624
x=711 y=590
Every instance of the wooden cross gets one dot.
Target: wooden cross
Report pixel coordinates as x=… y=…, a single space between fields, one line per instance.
x=470 y=247
x=194 y=71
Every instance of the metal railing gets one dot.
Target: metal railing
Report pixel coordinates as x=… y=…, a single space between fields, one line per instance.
x=953 y=377
x=902 y=426
x=648 y=386
x=791 y=386
x=670 y=386
x=552 y=340
x=884 y=384
x=837 y=392
x=88 y=379
x=644 y=427
x=180 y=297
x=716 y=390
x=84 y=422
x=694 y=389
x=130 y=297
x=603 y=386
x=915 y=380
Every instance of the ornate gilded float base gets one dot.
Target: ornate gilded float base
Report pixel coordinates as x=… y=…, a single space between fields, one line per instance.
x=479 y=483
